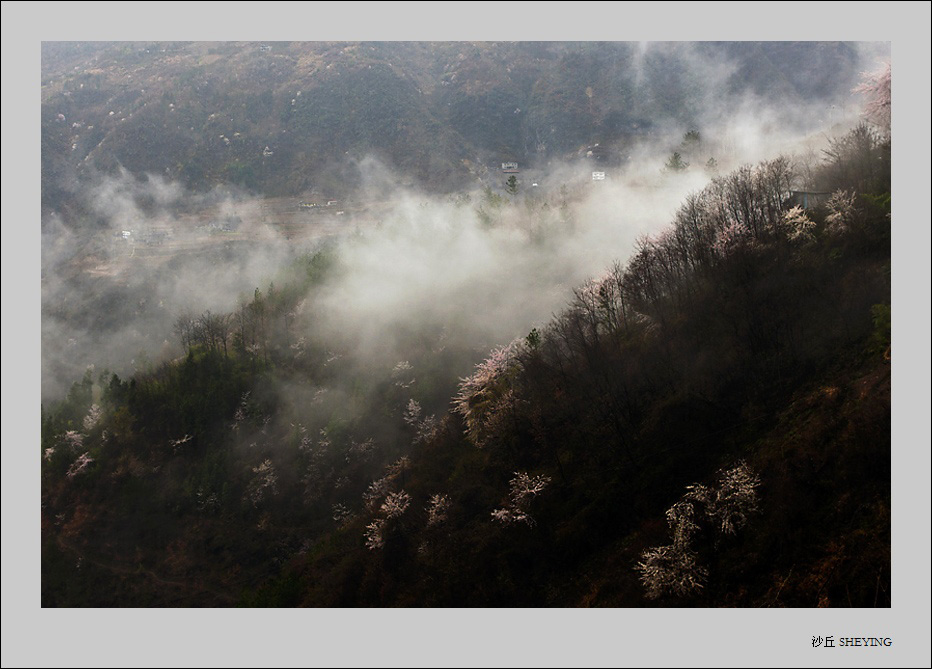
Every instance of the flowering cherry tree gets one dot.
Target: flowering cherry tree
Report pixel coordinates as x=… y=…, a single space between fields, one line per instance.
x=425 y=428
x=876 y=87
x=360 y=451
x=403 y=375
x=240 y=414
x=375 y=492
x=841 y=210
x=92 y=417
x=264 y=484
x=412 y=414
x=671 y=570
x=524 y=488
x=73 y=440
x=729 y=239
x=80 y=465
x=730 y=504
x=797 y=226
x=176 y=444
x=394 y=506
x=726 y=507
x=375 y=537
x=437 y=508
x=487 y=393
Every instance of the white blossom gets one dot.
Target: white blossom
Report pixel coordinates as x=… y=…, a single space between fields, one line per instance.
x=425 y=428
x=523 y=489
x=264 y=483
x=376 y=491
x=299 y=347
x=403 y=374
x=398 y=467
x=671 y=570
x=307 y=444
x=798 y=226
x=323 y=441
x=176 y=444
x=437 y=508
x=735 y=498
x=240 y=414
x=726 y=506
x=374 y=536
x=73 y=440
x=92 y=417
x=360 y=451
x=510 y=516
x=412 y=414
x=841 y=210
x=486 y=394
x=681 y=519
x=395 y=504
x=80 y=465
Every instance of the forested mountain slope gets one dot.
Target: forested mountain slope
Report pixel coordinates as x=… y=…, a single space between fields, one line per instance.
x=705 y=424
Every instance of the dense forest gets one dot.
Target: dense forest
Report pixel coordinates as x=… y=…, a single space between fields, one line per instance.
x=706 y=423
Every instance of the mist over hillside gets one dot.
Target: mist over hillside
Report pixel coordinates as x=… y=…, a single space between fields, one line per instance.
x=466 y=324
x=179 y=177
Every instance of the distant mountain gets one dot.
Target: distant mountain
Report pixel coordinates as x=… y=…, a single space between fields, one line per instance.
x=283 y=118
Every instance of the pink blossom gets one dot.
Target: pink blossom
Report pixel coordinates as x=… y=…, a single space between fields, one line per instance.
x=876 y=86
x=73 y=440
x=523 y=489
x=395 y=504
x=487 y=392
x=376 y=491
x=80 y=465
x=730 y=238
